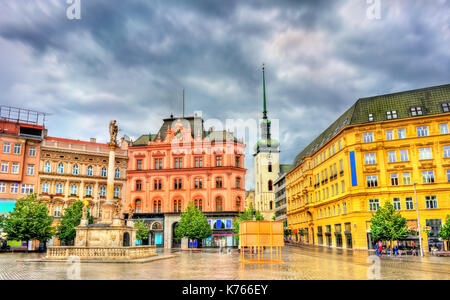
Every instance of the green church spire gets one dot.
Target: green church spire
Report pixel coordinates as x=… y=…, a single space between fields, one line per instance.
x=264 y=95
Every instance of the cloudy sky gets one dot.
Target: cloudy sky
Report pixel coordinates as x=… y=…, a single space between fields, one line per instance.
x=129 y=60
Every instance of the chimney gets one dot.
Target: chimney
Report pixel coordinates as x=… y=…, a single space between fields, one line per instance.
x=93 y=140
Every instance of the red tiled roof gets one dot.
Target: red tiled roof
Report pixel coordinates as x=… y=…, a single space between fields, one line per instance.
x=50 y=138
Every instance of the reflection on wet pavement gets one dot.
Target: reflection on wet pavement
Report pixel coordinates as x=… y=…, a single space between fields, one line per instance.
x=302 y=262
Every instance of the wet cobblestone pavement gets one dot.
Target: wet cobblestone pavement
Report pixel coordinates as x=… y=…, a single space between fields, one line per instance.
x=304 y=262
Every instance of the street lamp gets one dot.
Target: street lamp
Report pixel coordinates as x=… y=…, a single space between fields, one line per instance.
x=418 y=221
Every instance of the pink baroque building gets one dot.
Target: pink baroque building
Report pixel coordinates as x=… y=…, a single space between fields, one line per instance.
x=185 y=163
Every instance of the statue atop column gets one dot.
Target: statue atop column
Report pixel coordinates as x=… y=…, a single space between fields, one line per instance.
x=117 y=210
x=113 y=130
x=130 y=212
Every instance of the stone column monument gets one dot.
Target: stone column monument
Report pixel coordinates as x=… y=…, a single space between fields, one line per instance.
x=109 y=206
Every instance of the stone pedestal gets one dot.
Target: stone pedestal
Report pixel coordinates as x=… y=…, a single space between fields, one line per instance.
x=98 y=235
x=184 y=243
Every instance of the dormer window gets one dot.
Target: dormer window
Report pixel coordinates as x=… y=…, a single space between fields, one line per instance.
x=416 y=111
x=446 y=107
x=370 y=117
x=391 y=115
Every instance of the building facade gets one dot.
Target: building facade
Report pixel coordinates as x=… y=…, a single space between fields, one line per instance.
x=20 y=139
x=250 y=199
x=266 y=165
x=375 y=152
x=71 y=170
x=280 y=195
x=184 y=163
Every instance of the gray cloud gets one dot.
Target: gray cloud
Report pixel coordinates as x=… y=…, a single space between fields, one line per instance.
x=130 y=60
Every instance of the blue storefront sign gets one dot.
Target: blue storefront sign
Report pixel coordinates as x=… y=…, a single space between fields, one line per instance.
x=7 y=206
x=228 y=223
x=158 y=239
x=219 y=224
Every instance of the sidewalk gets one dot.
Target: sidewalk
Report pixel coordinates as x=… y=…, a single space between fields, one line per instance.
x=428 y=258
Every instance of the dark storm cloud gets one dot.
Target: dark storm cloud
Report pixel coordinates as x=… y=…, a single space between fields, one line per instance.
x=130 y=60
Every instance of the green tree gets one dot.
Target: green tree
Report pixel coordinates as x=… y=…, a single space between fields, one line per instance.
x=388 y=224
x=72 y=216
x=142 y=230
x=29 y=221
x=287 y=232
x=193 y=225
x=247 y=215
x=444 y=232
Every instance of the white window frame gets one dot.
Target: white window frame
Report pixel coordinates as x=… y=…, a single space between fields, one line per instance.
x=444 y=128
x=422 y=131
x=428 y=177
x=30 y=170
x=47 y=167
x=7 y=146
x=15 y=168
x=396 y=202
x=374 y=204
x=406 y=179
x=368 y=137
x=32 y=151
x=370 y=158
x=17 y=148
x=409 y=203
x=390 y=135
x=431 y=202
x=45 y=188
x=401 y=133
x=446 y=151
x=392 y=156
x=404 y=155
x=425 y=153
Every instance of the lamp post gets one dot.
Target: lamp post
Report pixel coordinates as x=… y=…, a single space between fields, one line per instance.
x=418 y=221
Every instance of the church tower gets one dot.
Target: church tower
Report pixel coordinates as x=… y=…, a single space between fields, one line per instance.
x=266 y=164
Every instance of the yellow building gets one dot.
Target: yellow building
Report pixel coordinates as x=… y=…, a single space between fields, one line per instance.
x=374 y=153
x=250 y=199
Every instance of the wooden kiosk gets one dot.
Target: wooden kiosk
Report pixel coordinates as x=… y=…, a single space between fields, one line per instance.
x=256 y=235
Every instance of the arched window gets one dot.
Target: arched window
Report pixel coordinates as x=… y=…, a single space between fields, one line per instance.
x=238 y=203
x=60 y=168
x=219 y=204
x=177 y=205
x=270 y=185
x=138 y=185
x=238 y=182
x=157 y=206
x=138 y=206
x=75 y=170
x=269 y=167
x=103 y=174
x=90 y=171
x=157 y=226
x=47 y=167
x=198 y=203
x=117 y=173
x=219 y=224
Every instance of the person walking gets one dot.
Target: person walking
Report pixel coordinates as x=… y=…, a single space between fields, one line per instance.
x=395 y=251
x=380 y=248
x=376 y=249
